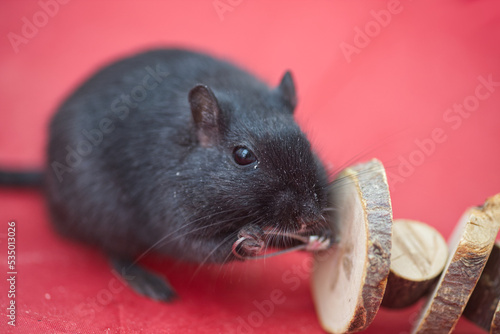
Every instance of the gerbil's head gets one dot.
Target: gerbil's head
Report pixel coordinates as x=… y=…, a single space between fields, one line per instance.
x=258 y=166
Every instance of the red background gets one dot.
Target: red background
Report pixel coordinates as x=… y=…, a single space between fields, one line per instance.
x=378 y=102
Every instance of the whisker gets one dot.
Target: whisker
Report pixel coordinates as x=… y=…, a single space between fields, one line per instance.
x=345 y=180
x=175 y=231
x=280 y=252
x=257 y=220
x=201 y=228
x=269 y=243
x=200 y=265
x=330 y=209
x=368 y=149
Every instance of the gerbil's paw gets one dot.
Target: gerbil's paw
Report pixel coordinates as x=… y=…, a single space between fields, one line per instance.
x=251 y=232
x=251 y=247
x=143 y=281
x=252 y=241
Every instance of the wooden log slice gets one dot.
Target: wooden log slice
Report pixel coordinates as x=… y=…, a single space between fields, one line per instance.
x=484 y=300
x=495 y=323
x=419 y=254
x=470 y=246
x=349 y=280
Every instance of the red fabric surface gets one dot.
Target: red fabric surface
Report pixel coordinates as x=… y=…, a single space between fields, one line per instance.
x=383 y=99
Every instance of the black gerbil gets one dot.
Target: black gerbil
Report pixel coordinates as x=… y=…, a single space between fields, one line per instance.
x=179 y=153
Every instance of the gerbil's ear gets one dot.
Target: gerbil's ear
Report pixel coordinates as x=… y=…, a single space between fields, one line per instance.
x=286 y=89
x=206 y=114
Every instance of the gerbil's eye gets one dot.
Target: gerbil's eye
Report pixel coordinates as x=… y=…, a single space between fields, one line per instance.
x=243 y=156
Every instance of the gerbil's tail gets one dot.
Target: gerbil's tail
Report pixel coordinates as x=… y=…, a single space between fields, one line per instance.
x=27 y=178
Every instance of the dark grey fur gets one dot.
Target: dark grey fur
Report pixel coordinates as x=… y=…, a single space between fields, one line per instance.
x=164 y=169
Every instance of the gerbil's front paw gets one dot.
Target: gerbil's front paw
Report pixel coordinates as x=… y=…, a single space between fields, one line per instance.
x=251 y=241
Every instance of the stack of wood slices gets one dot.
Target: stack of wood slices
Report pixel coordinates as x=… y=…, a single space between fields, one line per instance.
x=381 y=262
